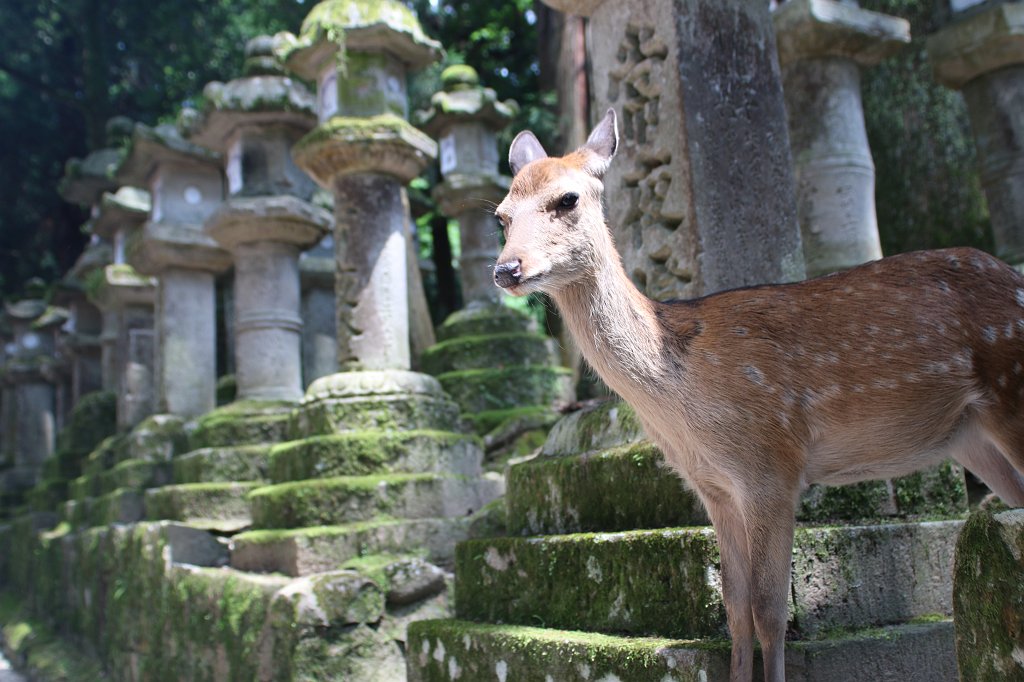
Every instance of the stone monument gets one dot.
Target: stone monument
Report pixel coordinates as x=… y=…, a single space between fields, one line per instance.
x=823 y=44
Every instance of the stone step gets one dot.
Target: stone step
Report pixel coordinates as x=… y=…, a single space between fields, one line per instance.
x=360 y=453
x=628 y=487
x=223 y=464
x=217 y=506
x=135 y=473
x=119 y=506
x=304 y=551
x=668 y=582
x=445 y=650
x=245 y=422
x=481 y=390
x=347 y=499
x=507 y=349
x=480 y=320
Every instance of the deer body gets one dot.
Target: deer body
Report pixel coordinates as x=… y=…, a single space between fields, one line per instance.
x=754 y=394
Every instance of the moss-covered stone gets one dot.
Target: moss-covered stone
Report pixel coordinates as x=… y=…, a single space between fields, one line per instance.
x=509 y=349
x=335 y=598
x=501 y=427
x=491 y=521
x=601 y=425
x=135 y=474
x=484 y=320
x=327 y=414
x=480 y=390
x=157 y=438
x=988 y=597
x=119 y=506
x=227 y=389
x=244 y=422
x=617 y=489
x=223 y=464
x=222 y=505
x=36 y=650
x=360 y=453
x=47 y=495
x=344 y=499
x=303 y=551
x=93 y=419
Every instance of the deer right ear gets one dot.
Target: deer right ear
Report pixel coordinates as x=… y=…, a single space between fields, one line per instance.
x=603 y=143
x=525 y=148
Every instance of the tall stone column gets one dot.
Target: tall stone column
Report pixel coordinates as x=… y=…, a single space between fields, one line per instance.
x=319 y=316
x=701 y=196
x=127 y=300
x=186 y=186
x=981 y=53
x=365 y=151
x=823 y=44
x=267 y=219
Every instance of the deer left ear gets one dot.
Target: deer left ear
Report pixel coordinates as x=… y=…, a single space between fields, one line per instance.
x=603 y=143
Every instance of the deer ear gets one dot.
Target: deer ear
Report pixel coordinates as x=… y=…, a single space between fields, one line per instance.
x=603 y=143
x=525 y=148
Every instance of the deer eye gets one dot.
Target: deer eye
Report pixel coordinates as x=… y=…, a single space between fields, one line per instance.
x=569 y=200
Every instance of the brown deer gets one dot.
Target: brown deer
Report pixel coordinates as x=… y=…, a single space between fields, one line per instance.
x=754 y=394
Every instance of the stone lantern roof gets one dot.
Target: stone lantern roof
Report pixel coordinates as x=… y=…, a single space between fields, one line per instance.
x=25 y=309
x=356 y=25
x=464 y=100
x=86 y=179
x=127 y=206
x=822 y=28
x=150 y=146
x=264 y=95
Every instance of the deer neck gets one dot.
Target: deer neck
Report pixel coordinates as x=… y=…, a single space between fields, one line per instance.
x=615 y=327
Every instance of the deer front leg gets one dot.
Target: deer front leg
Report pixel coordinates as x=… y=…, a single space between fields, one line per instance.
x=735 y=554
x=771 y=549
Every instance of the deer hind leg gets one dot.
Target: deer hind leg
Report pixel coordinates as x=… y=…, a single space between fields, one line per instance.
x=770 y=529
x=993 y=450
x=733 y=546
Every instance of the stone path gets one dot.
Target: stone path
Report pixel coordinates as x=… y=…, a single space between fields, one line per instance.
x=7 y=674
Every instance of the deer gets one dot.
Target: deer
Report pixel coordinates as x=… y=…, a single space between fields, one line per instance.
x=755 y=393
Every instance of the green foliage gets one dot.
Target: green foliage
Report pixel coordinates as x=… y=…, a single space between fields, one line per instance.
x=928 y=193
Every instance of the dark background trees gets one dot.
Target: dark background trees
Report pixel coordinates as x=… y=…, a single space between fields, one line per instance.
x=68 y=65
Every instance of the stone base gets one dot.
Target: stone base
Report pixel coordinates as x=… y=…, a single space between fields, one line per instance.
x=392 y=399
x=219 y=506
x=480 y=390
x=304 y=551
x=243 y=422
x=667 y=582
x=443 y=651
x=223 y=464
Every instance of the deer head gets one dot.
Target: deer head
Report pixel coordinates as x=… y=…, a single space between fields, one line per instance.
x=552 y=217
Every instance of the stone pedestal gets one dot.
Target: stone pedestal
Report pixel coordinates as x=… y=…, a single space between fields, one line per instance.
x=267 y=220
x=319 y=316
x=823 y=44
x=127 y=300
x=701 y=196
x=186 y=187
x=983 y=56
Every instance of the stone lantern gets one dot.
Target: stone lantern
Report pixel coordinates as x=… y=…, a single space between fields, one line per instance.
x=267 y=219
x=364 y=151
x=126 y=299
x=186 y=185
x=981 y=53
x=465 y=118
x=823 y=44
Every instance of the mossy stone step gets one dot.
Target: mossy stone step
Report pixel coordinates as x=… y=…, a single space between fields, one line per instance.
x=47 y=495
x=303 y=551
x=346 y=499
x=629 y=487
x=448 y=650
x=508 y=349
x=668 y=582
x=482 y=390
x=245 y=422
x=221 y=506
x=135 y=473
x=124 y=505
x=223 y=464
x=480 y=320
x=360 y=453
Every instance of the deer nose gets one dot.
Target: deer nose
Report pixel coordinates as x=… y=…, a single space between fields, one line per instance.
x=508 y=274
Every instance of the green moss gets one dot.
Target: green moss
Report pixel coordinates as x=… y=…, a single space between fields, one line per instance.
x=243 y=422
x=199 y=501
x=509 y=349
x=988 y=597
x=327 y=415
x=479 y=390
x=222 y=464
x=134 y=474
x=485 y=321
x=362 y=129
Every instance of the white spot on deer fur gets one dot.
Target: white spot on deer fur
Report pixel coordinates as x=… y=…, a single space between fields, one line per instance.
x=501 y=670
x=937 y=367
x=439 y=652
x=990 y=334
x=1001 y=381
x=1017 y=368
x=943 y=286
x=740 y=331
x=1008 y=330
x=871 y=330
x=754 y=374
x=1020 y=297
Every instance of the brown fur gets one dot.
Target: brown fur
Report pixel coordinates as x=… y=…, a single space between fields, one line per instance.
x=754 y=394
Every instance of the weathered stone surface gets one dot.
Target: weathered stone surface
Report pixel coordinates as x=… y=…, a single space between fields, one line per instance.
x=607 y=424
x=481 y=390
x=246 y=422
x=444 y=651
x=157 y=438
x=213 y=505
x=482 y=320
x=988 y=597
x=328 y=501
x=843 y=577
x=329 y=599
x=404 y=580
x=324 y=548
x=361 y=453
x=120 y=506
x=135 y=474
x=830 y=28
x=222 y=464
x=497 y=351
x=979 y=44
